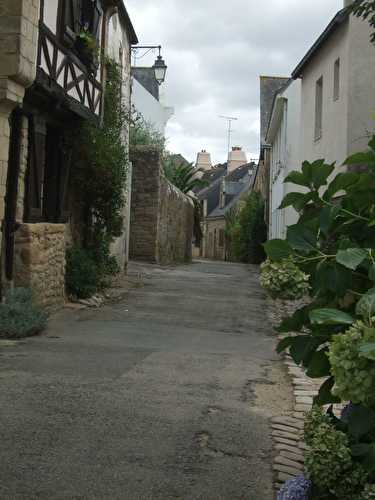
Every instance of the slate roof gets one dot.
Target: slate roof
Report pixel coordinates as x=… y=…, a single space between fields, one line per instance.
x=236 y=182
x=340 y=18
x=146 y=77
x=269 y=86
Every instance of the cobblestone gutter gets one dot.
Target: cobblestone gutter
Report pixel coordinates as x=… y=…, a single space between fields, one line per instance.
x=287 y=431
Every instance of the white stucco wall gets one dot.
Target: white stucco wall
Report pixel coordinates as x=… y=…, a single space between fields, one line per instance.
x=361 y=105
x=50 y=10
x=285 y=154
x=333 y=143
x=152 y=110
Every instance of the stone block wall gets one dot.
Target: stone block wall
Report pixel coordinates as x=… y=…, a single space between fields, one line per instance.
x=175 y=225
x=40 y=262
x=162 y=217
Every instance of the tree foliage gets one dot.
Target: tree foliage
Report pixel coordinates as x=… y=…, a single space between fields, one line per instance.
x=246 y=230
x=366 y=10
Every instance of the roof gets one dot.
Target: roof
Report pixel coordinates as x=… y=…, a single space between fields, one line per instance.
x=146 y=77
x=340 y=18
x=230 y=201
x=269 y=86
x=237 y=182
x=124 y=13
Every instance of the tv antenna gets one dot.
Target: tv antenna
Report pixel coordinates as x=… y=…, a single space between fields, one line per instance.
x=229 y=119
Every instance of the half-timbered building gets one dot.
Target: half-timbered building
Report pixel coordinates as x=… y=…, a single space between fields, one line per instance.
x=50 y=78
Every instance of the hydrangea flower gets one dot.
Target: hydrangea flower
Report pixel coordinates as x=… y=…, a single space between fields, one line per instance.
x=284 y=280
x=297 y=488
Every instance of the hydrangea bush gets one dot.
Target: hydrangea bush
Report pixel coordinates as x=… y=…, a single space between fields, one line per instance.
x=284 y=279
x=354 y=374
x=329 y=254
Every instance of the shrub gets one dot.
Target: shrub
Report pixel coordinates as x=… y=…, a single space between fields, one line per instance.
x=354 y=374
x=82 y=276
x=284 y=280
x=329 y=461
x=19 y=316
x=250 y=231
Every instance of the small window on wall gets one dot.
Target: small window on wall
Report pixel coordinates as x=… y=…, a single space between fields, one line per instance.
x=336 y=81
x=319 y=109
x=221 y=237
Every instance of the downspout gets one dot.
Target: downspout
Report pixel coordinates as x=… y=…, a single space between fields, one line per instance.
x=10 y=224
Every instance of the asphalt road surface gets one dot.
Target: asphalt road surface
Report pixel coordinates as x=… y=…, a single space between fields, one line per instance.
x=164 y=394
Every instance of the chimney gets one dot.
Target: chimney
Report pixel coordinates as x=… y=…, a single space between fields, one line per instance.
x=236 y=159
x=203 y=160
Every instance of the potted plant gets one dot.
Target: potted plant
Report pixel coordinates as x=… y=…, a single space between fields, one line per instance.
x=88 y=50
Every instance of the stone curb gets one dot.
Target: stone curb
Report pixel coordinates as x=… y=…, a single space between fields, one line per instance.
x=287 y=432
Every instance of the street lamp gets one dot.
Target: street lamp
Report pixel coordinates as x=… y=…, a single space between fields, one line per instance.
x=159 y=67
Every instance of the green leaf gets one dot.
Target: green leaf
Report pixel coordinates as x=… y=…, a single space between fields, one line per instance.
x=284 y=344
x=320 y=173
x=301 y=238
x=325 y=395
x=297 y=178
x=319 y=365
x=361 y=158
x=366 y=305
x=277 y=250
x=294 y=323
x=327 y=217
x=341 y=182
x=297 y=200
x=307 y=169
x=367 y=351
x=302 y=346
x=330 y=317
x=366 y=454
x=372 y=223
x=361 y=421
x=351 y=257
x=371 y=273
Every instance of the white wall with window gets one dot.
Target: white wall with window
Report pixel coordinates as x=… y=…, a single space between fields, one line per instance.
x=283 y=136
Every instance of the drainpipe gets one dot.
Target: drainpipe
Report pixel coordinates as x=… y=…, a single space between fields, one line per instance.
x=10 y=225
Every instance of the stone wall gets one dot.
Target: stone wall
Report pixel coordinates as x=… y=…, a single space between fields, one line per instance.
x=176 y=221
x=40 y=262
x=162 y=217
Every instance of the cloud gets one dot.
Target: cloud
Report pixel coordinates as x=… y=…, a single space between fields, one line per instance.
x=215 y=52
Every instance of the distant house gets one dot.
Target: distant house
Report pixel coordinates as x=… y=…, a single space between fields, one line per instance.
x=283 y=140
x=224 y=193
x=147 y=101
x=269 y=86
x=325 y=111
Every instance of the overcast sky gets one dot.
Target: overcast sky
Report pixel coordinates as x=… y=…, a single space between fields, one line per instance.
x=215 y=51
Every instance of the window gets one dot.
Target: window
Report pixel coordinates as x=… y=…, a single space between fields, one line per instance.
x=319 y=109
x=79 y=15
x=221 y=238
x=336 y=80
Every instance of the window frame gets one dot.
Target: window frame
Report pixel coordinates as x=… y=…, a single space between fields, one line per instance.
x=336 y=79
x=319 y=94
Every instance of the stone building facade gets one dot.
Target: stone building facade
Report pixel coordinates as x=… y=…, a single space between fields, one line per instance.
x=162 y=217
x=48 y=84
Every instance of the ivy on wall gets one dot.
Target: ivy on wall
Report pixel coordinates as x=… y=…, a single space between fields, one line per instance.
x=99 y=180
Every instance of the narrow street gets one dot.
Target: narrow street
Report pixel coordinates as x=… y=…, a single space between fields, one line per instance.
x=164 y=395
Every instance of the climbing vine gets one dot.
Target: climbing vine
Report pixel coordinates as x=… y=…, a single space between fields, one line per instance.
x=99 y=176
